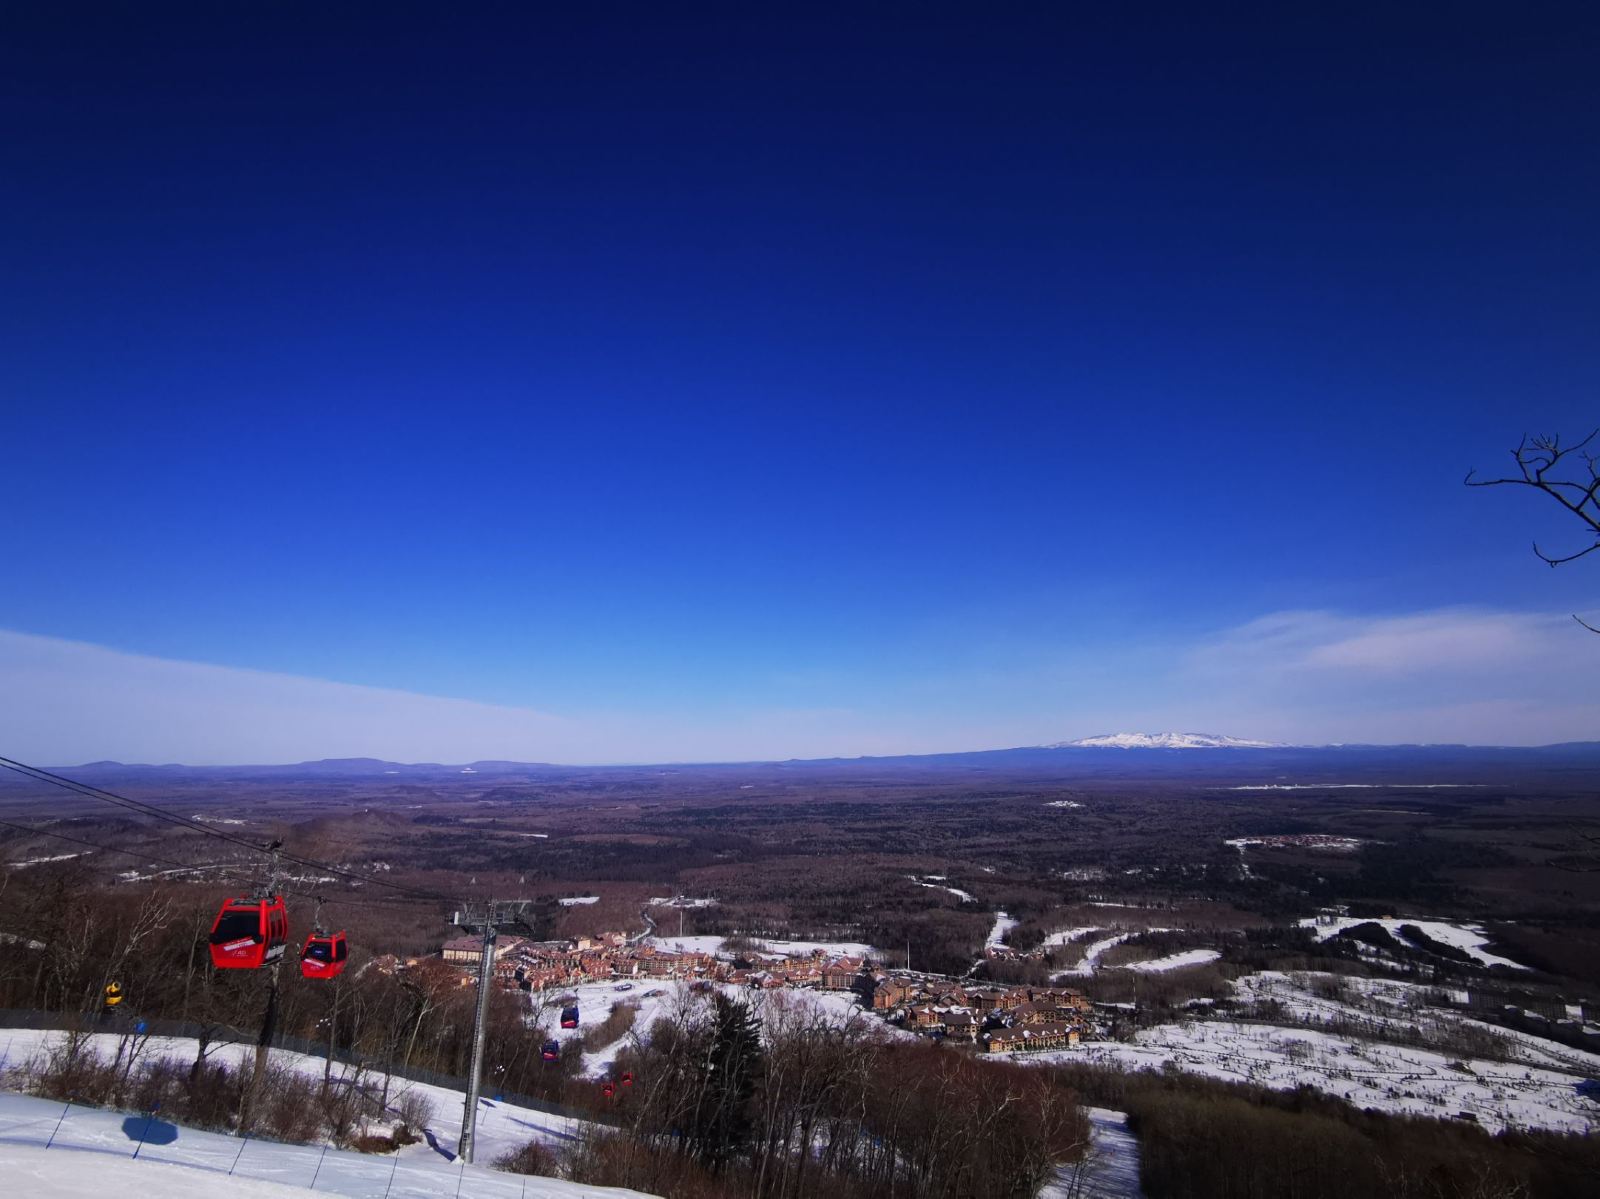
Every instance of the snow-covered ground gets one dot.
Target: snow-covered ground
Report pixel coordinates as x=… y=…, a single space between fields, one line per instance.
x=1390 y=1005
x=1090 y=961
x=92 y=1155
x=793 y=949
x=419 y=1171
x=1367 y=1073
x=942 y=884
x=712 y=945
x=1003 y=924
x=1091 y=956
x=681 y=901
x=1065 y=935
x=1538 y=1089
x=1324 y=844
x=1111 y=1169
x=1175 y=961
x=1469 y=938
x=656 y=998
x=58 y=857
x=40 y=1174
x=853 y=949
x=1350 y=786
x=133 y=876
x=577 y=900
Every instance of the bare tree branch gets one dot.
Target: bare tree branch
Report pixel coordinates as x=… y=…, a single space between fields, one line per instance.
x=1546 y=558
x=1536 y=457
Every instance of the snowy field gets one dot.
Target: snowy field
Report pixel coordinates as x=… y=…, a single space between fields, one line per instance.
x=1390 y=1078
x=711 y=945
x=418 y=1171
x=1538 y=1089
x=1175 y=961
x=1469 y=938
x=33 y=1171
x=833 y=949
x=1065 y=935
x=792 y=949
x=1391 y=1006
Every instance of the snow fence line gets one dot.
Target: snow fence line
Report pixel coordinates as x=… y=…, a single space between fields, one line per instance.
x=108 y=1023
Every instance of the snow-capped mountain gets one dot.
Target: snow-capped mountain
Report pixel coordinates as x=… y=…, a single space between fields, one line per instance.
x=1162 y=741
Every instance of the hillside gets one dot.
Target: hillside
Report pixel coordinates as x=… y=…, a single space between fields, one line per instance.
x=92 y=1151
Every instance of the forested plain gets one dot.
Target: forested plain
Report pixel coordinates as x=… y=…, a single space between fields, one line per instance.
x=882 y=854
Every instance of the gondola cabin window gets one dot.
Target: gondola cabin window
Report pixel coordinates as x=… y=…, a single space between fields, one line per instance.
x=324 y=955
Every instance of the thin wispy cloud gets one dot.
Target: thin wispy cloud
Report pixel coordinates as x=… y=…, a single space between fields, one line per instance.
x=1450 y=674
x=1456 y=674
x=65 y=701
x=1456 y=640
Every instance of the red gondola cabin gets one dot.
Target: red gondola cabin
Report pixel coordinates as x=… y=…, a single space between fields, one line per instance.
x=569 y=1017
x=551 y=1051
x=249 y=933
x=324 y=955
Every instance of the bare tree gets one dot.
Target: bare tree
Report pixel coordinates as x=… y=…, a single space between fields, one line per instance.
x=1575 y=487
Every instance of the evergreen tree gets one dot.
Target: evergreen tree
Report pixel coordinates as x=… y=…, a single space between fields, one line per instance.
x=732 y=1064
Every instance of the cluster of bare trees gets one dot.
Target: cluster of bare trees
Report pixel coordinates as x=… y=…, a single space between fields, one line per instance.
x=791 y=1103
x=1201 y=1138
x=724 y=1101
x=281 y=1102
x=67 y=939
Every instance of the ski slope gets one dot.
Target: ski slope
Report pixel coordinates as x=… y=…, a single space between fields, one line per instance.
x=420 y=1171
x=1175 y=961
x=1110 y=1170
x=92 y=1154
x=1469 y=938
x=40 y=1174
x=1090 y=962
x=1004 y=922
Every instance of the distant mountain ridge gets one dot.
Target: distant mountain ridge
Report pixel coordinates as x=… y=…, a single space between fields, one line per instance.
x=1150 y=754
x=1164 y=741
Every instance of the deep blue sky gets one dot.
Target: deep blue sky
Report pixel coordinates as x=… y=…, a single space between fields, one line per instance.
x=907 y=378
